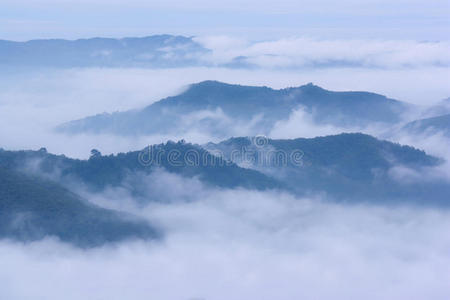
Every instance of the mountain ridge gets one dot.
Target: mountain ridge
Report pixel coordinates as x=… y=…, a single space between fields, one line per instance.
x=229 y=104
x=149 y=51
x=433 y=125
x=347 y=167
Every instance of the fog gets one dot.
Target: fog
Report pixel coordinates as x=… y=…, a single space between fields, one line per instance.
x=238 y=244
x=33 y=103
x=297 y=52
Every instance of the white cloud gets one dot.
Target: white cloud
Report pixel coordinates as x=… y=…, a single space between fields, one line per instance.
x=236 y=244
x=301 y=124
x=308 y=52
x=435 y=144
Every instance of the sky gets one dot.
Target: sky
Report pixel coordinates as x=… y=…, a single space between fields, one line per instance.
x=401 y=19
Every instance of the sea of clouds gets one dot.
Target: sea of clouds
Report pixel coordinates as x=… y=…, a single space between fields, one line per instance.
x=234 y=244
x=239 y=244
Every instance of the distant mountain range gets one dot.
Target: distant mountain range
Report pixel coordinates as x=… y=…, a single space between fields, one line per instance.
x=168 y=51
x=218 y=107
x=152 y=51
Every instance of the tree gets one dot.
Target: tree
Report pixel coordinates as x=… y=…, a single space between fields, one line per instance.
x=95 y=153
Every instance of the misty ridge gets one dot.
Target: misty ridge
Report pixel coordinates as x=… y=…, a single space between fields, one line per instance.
x=173 y=167
x=153 y=51
x=169 y=51
x=216 y=106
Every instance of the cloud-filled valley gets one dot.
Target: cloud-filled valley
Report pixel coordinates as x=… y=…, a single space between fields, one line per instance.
x=247 y=245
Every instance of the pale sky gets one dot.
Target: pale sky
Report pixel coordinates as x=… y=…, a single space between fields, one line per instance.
x=263 y=19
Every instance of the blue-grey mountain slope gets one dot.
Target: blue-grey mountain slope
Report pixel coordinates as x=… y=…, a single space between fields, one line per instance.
x=126 y=170
x=151 y=51
x=439 y=124
x=32 y=208
x=216 y=107
x=439 y=109
x=347 y=167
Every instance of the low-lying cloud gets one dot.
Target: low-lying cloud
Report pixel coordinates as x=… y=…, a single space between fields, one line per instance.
x=240 y=244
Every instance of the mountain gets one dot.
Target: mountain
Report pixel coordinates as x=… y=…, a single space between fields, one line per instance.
x=219 y=107
x=32 y=208
x=151 y=51
x=349 y=167
x=439 y=109
x=127 y=169
x=440 y=124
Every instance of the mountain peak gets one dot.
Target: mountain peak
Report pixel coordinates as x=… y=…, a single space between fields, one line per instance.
x=214 y=87
x=310 y=87
x=220 y=84
x=210 y=83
